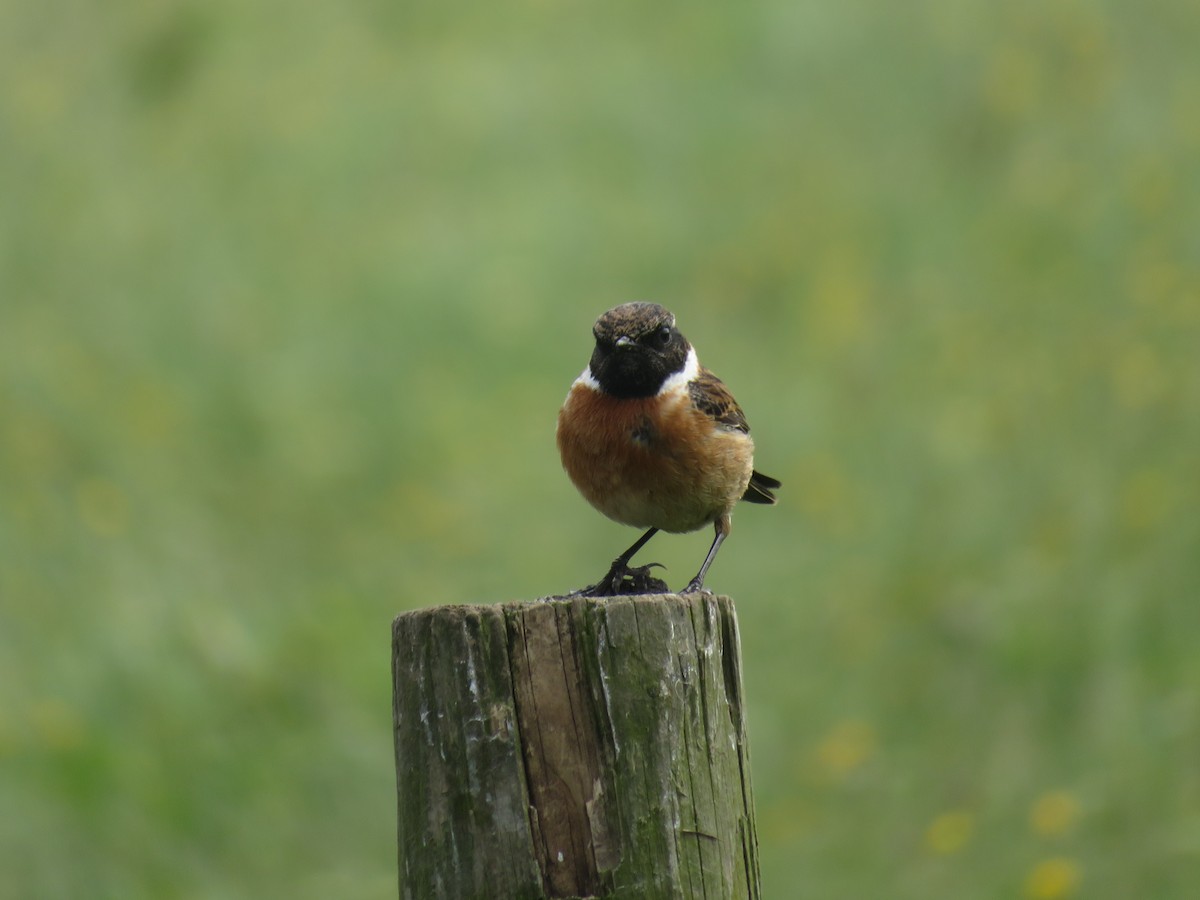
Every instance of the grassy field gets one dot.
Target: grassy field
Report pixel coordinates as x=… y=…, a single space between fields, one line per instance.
x=290 y=295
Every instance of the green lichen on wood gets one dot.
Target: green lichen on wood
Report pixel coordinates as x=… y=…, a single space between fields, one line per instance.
x=617 y=728
x=678 y=748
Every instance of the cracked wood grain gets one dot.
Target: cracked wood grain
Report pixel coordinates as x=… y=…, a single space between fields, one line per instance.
x=573 y=748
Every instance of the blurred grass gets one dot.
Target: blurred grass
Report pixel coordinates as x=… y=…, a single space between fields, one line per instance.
x=289 y=297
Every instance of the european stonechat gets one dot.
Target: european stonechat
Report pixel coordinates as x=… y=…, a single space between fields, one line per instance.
x=653 y=439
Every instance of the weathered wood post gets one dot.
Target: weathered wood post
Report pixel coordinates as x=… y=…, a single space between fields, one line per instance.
x=573 y=748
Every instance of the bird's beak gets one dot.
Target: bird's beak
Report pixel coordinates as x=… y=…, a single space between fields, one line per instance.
x=623 y=341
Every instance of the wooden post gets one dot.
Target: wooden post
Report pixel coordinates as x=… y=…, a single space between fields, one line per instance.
x=573 y=748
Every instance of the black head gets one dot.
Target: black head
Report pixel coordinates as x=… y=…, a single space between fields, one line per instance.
x=638 y=347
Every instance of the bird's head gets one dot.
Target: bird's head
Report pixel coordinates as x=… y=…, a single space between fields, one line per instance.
x=638 y=348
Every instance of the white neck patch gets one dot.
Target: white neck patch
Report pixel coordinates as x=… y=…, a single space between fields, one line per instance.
x=588 y=380
x=679 y=381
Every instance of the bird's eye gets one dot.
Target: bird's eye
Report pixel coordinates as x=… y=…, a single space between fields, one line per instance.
x=662 y=337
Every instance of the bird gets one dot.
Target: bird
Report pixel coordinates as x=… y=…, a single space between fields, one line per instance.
x=654 y=440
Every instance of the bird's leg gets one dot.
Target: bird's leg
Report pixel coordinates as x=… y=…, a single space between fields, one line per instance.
x=639 y=579
x=723 y=527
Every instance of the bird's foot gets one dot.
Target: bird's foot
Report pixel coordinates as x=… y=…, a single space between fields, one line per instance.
x=622 y=580
x=695 y=586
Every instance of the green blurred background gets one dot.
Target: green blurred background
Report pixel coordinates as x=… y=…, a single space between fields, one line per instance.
x=290 y=295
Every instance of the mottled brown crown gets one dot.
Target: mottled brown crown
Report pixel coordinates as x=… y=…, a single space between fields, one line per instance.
x=633 y=321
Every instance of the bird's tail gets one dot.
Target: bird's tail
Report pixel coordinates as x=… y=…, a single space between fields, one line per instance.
x=760 y=487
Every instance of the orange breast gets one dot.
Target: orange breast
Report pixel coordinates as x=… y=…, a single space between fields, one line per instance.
x=653 y=462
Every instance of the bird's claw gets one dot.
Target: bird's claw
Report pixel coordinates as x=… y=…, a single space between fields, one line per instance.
x=622 y=580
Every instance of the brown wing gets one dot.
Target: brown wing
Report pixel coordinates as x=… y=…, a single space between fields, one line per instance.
x=712 y=397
